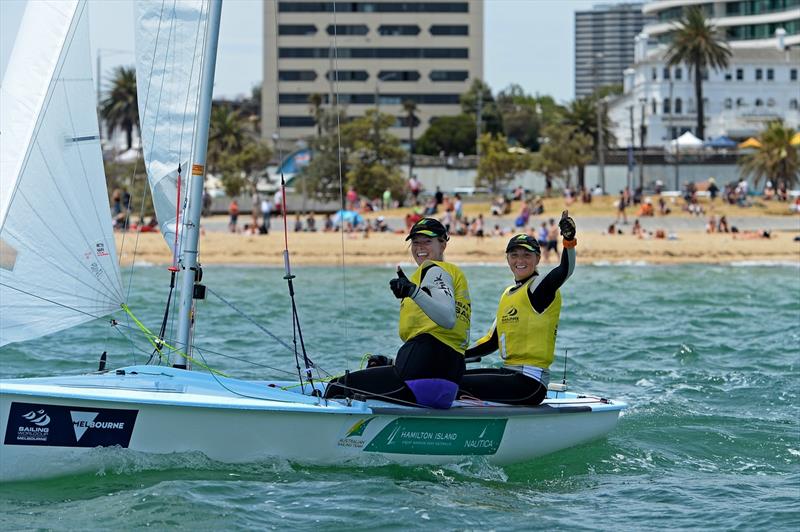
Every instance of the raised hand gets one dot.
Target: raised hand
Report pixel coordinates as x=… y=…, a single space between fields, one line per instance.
x=567 y=226
x=401 y=286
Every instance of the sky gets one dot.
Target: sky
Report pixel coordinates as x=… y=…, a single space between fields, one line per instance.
x=528 y=42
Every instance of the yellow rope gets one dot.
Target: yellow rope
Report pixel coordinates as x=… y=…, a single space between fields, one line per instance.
x=156 y=342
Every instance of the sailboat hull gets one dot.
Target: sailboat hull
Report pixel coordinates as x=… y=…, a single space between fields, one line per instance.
x=56 y=426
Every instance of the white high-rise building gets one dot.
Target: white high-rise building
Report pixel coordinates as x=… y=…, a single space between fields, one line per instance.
x=368 y=52
x=761 y=83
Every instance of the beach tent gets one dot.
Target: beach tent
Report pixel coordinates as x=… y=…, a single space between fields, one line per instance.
x=721 y=142
x=752 y=142
x=795 y=139
x=687 y=141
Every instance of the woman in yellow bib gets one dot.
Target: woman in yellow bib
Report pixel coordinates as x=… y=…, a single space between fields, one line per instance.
x=435 y=312
x=524 y=331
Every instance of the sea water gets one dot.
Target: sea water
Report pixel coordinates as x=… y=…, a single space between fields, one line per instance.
x=706 y=356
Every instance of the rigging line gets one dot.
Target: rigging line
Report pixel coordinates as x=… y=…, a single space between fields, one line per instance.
x=109 y=294
x=46 y=102
x=54 y=302
x=251 y=320
x=335 y=104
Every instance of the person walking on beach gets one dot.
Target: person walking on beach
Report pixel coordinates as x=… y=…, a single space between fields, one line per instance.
x=435 y=312
x=525 y=326
x=233 y=212
x=621 y=204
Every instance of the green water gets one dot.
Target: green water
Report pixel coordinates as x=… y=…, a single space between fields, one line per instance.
x=707 y=357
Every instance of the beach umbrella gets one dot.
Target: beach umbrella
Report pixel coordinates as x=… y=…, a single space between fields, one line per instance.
x=752 y=142
x=721 y=142
x=795 y=139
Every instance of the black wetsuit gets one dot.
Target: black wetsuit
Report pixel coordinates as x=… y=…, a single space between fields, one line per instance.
x=509 y=384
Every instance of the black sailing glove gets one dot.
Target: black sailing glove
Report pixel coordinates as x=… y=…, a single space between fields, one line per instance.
x=567 y=226
x=402 y=287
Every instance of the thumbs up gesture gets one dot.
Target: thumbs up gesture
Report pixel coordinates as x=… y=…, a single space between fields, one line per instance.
x=567 y=226
x=401 y=286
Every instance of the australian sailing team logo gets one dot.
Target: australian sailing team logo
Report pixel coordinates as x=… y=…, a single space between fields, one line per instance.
x=65 y=426
x=354 y=436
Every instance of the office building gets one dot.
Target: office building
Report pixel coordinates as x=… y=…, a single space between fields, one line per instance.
x=367 y=54
x=604 y=44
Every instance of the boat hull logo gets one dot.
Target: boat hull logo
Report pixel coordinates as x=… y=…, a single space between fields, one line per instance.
x=458 y=437
x=68 y=426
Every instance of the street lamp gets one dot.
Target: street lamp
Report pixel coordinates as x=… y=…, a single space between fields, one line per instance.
x=601 y=161
x=642 y=135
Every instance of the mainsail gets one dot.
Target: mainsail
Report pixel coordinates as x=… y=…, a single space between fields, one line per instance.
x=58 y=264
x=169 y=37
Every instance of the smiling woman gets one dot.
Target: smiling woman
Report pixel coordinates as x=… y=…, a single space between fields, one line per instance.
x=435 y=311
x=524 y=330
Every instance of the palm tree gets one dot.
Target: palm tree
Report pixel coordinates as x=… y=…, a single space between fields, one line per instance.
x=316 y=110
x=697 y=43
x=410 y=108
x=776 y=159
x=226 y=134
x=120 y=109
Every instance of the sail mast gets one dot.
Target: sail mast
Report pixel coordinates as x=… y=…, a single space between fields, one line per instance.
x=191 y=223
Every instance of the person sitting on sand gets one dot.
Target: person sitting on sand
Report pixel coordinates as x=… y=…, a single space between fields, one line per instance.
x=637 y=228
x=435 y=311
x=525 y=326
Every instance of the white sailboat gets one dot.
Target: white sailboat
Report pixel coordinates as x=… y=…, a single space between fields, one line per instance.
x=58 y=269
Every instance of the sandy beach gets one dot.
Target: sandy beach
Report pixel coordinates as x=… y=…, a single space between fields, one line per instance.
x=218 y=247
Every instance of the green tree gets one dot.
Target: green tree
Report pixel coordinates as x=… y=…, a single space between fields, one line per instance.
x=776 y=159
x=696 y=42
x=320 y=179
x=236 y=168
x=226 y=134
x=581 y=114
x=120 y=109
x=375 y=157
x=448 y=134
x=479 y=93
x=497 y=166
x=564 y=148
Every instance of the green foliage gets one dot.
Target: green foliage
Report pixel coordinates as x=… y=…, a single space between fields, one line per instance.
x=320 y=179
x=121 y=176
x=234 y=151
x=375 y=156
x=524 y=115
x=498 y=167
x=491 y=118
x=696 y=42
x=565 y=148
x=776 y=159
x=448 y=134
x=120 y=109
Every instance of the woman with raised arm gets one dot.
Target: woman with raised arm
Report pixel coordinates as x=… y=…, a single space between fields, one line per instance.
x=525 y=327
x=435 y=314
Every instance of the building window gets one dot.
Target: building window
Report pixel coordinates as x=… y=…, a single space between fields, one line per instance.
x=666 y=72
x=739 y=74
x=728 y=103
x=770 y=102
x=398 y=75
x=347 y=29
x=373 y=7
x=793 y=74
x=728 y=76
x=759 y=74
x=347 y=75
x=297 y=29
x=678 y=106
x=388 y=30
x=296 y=75
x=704 y=75
x=302 y=52
x=654 y=106
x=739 y=102
x=759 y=102
x=666 y=106
x=770 y=74
x=654 y=73
x=450 y=29
x=296 y=121
x=679 y=73
x=793 y=103
x=448 y=75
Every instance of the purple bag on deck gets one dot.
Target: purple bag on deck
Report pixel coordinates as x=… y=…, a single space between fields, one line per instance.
x=435 y=393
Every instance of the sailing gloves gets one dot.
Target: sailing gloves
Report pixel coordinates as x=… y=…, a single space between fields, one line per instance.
x=402 y=287
x=567 y=226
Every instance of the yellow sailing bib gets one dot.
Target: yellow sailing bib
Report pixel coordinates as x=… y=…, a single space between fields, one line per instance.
x=413 y=321
x=525 y=337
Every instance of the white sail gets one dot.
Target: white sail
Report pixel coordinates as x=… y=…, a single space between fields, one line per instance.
x=58 y=262
x=169 y=37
